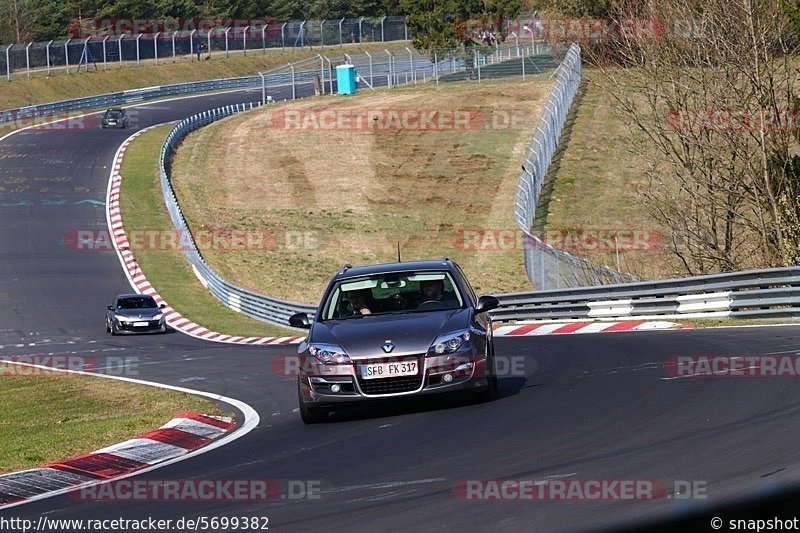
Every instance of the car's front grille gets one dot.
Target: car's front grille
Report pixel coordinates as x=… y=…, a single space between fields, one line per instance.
x=390 y=385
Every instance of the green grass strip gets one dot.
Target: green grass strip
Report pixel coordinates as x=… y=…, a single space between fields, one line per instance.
x=144 y=213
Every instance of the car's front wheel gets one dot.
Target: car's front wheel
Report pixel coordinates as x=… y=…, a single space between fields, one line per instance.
x=114 y=330
x=490 y=393
x=310 y=415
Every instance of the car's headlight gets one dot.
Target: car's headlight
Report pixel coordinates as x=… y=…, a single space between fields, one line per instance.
x=329 y=354
x=449 y=343
x=159 y=316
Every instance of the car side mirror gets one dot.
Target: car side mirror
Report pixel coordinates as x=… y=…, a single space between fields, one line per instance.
x=486 y=303
x=300 y=320
x=162 y=306
x=110 y=307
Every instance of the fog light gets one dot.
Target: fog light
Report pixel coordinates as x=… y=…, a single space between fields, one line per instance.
x=336 y=388
x=447 y=378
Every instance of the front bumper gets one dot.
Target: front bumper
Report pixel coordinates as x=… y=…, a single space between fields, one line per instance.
x=438 y=375
x=153 y=326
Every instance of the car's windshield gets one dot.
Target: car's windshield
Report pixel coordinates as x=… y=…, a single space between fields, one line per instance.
x=400 y=292
x=137 y=302
x=114 y=113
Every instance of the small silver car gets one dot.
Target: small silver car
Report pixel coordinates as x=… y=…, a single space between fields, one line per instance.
x=135 y=313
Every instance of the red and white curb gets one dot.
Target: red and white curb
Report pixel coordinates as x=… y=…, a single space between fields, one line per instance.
x=178 y=437
x=525 y=330
x=139 y=281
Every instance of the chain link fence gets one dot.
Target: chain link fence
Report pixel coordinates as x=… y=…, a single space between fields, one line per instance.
x=98 y=53
x=548 y=268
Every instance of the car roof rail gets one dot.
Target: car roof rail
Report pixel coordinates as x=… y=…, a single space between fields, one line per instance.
x=345 y=267
x=445 y=259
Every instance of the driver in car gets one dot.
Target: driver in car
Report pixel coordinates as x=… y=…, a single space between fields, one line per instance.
x=360 y=301
x=432 y=290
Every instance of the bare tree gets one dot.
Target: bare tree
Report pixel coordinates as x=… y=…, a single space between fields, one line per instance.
x=707 y=87
x=19 y=20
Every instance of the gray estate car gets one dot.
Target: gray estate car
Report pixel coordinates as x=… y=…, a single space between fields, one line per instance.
x=392 y=331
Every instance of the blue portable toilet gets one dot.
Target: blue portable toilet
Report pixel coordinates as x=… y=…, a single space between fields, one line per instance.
x=346 y=79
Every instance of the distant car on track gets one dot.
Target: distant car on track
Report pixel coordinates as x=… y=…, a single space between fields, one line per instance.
x=115 y=118
x=135 y=313
x=392 y=331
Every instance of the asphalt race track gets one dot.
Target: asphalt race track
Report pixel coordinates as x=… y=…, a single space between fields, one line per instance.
x=584 y=407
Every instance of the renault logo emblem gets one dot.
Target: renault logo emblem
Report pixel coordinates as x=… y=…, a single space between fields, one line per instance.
x=388 y=346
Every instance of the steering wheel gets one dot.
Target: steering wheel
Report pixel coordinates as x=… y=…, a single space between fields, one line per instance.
x=431 y=304
x=398 y=301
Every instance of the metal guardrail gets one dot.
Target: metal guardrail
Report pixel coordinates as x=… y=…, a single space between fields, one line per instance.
x=258 y=306
x=748 y=294
x=127 y=97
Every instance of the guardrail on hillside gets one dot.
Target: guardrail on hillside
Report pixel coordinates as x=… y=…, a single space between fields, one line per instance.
x=771 y=293
x=259 y=306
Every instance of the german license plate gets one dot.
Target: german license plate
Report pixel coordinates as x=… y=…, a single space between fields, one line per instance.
x=389 y=370
x=139 y=324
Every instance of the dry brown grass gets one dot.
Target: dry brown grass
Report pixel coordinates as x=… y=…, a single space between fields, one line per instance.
x=598 y=186
x=356 y=193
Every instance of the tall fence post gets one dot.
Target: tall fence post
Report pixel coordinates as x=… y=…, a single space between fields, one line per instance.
x=66 y=55
x=28 y=58
x=294 y=87
x=138 y=38
x=322 y=32
x=244 y=39
x=370 y=67
x=283 y=36
x=119 y=47
x=47 y=52
x=227 y=30
x=341 y=41
x=173 y=46
x=382 y=34
x=105 y=56
x=155 y=48
x=264 y=38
